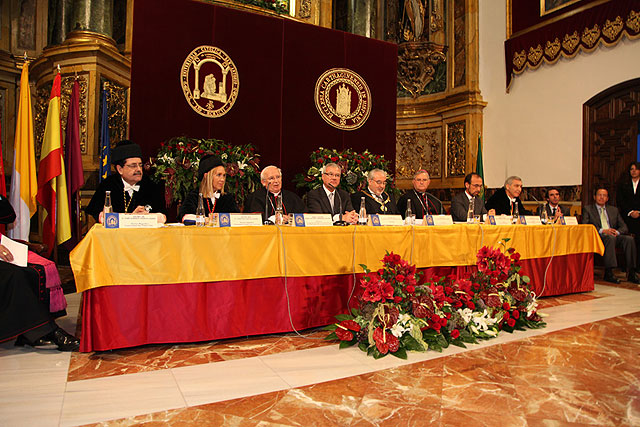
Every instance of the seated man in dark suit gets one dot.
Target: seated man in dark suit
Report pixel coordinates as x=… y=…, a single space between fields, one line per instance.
x=422 y=203
x=460 y=202
x=614 y=233
x=505 y=199
x=553 y=207
x=331 y=199
x=271 y=178
x=376 y=200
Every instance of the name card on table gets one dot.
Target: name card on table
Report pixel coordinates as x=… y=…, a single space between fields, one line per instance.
x=568 y=220
x=499 y=220
x=437 y=220
x=240 y=219
x=312 y=220
x=530 y=220
x=385 y=220
x=124 y=220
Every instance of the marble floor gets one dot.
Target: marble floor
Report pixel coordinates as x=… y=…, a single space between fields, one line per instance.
x=582 y=369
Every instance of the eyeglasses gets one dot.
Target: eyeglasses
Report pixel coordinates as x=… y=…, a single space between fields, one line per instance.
x=379 y=182
x=134 y=165
x=332 y=175
x=422 y=179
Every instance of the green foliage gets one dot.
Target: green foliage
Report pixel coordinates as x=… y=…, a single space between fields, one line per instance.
x=177 y=160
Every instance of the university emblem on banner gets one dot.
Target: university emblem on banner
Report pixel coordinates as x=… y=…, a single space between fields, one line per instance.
x=343 y=98
x=209 y=81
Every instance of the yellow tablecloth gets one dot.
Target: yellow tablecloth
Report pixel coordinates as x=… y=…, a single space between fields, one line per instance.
x=107 y=257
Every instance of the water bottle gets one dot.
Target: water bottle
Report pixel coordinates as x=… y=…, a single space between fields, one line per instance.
x=544 y=218
x=200 y=211
x=278 y=213
x=362 y=214
x=107 y=202
x=409 y=217
x=470 y=210
x=516 y=214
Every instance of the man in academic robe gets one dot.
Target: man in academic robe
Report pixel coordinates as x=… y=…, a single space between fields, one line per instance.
x=505 y=199
x=331 y=199
x=628 y=201
x=553 y=207
x=460 y=202
x=22 y=315
x=271 y=179
x=614 y=233
x=422 y=203
x=376 y=200
x=131 y=191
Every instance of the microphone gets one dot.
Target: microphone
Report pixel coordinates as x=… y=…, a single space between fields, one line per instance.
x=339 y=222
x=543 y=209
x=267 y=221
x=439 y=201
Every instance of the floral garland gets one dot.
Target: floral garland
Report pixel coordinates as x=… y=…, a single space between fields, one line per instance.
x=355 y=167
x=397 y=314
x=177 y=161
x=278 y=6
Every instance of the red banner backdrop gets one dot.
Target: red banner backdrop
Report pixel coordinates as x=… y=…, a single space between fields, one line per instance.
x=278 y=62
x=581 y=26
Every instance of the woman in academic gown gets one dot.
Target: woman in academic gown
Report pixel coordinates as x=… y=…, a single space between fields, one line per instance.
x=211 y=178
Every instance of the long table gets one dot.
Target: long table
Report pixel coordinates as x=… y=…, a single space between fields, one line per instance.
x=187 y=284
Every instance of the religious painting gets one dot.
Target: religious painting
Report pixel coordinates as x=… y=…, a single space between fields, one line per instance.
x=548 y=6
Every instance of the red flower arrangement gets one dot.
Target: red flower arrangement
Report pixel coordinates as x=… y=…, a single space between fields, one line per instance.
x=398 y=312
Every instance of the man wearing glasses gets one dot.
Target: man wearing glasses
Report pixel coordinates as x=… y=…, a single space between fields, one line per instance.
x=422 y=203
x=131 y=191
x=460 y=202
x=377 y=201
x=331 y=199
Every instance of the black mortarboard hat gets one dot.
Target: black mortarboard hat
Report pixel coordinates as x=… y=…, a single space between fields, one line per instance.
x=207 y=163
x=124 y=150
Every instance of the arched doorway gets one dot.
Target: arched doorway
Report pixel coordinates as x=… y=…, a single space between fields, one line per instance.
x=610 y=137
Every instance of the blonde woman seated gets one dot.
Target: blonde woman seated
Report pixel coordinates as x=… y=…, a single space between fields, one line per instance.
x=211 y=176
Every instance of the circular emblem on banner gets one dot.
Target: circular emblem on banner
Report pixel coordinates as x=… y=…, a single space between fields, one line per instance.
x=343 y=98
x=209 y=81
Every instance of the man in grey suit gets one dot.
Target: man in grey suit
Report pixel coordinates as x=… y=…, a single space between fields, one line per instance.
x=613 y=232
x=460 y=202
x=553 y=207
x=330 y=199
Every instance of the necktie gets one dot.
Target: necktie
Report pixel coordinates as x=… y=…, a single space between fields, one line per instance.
x=331 y=201
x=553 y=211
x=603 y=219
x=513 y=207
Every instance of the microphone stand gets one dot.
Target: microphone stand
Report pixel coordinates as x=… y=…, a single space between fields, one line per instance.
x=439 y=201
x=542 y=210
x=339 y=222
x=267 y=221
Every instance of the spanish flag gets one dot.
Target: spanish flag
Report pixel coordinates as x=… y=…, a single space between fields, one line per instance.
x=52 y=183
x=24 y=184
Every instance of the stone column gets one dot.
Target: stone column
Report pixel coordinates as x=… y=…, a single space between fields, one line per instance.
x=93 y=15
x=60 y=20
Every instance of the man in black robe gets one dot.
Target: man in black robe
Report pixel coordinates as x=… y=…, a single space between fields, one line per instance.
x=376 y=200
x=422 y=203
x=271 y=179
x=22 y=315
x=131 y=191
x=505 y=199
